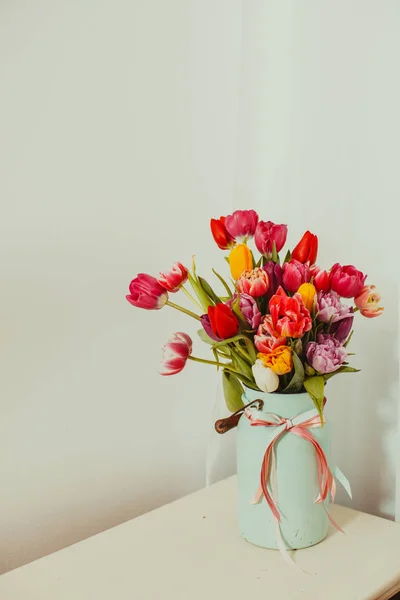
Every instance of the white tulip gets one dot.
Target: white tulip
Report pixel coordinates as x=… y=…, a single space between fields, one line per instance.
x=266 y=379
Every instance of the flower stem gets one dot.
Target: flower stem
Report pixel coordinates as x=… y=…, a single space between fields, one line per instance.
x=184 y=310
x=189 y=295
x=214 y=363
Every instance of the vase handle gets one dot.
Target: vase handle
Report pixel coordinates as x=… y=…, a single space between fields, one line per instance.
x=224 y=425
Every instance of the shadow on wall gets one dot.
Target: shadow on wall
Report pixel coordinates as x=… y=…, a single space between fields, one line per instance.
x=363 y=409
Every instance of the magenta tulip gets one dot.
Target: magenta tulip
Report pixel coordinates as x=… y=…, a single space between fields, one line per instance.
x=147 y=293
x=266 y=234
x=241 y=224
x=173 y=279
x=341 y=329
x=347 y=281
x=294 y=274
x=175 y=353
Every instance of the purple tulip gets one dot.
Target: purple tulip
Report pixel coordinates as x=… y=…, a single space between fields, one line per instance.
x=274 y=272
x=330 y=308
x=327 y=354
x=341 y=329
x=248 y=308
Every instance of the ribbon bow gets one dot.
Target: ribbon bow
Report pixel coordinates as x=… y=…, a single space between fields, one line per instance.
x=299 y=425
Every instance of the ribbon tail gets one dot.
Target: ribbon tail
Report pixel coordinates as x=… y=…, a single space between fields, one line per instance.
x=342 y=479
x=257 y=496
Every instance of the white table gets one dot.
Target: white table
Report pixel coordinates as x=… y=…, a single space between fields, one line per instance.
x=191 y=550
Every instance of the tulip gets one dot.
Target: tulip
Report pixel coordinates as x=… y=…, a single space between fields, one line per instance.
x=322 y=280
x=265 y=378
x=266 y=234
x=308 y=292
x=240 y=259
x=274 y=271
x=326 y=355
x=330 y=309
x=368 y=302
x=173 y=279
x=254 y=282
x=264 y=341
x=220 y=234
x=341 y=329
x=241 y=224
x=288 y=316
x=294 y=274
x=248 y=308
x=175 y=353
x=307 y=249
x=147 y=293
x=347 y=281
x=224 y=323
x=280 y=360
x=206 y=323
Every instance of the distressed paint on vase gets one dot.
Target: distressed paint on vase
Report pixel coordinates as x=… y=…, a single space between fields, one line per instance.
x=303 y=522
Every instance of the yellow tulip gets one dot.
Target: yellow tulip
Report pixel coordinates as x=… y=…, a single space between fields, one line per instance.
x=280 y=360
x=307 y=291
x=240 y=259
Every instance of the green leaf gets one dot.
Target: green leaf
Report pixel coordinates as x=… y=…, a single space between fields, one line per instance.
x=287 y=257
x=227 y=259
x=200 y=293
x=253 y=260
x=209 y=291
x=296 y=383
x=241 y=365
x=250 y=383
x=309 y=370
x=315 y=387
x=258 y=264
x=222 y=280
x=204 y=337
x=251 y=351
x=349 y=338
x=238 y=313
x=229 y=340
x=275 y=256
x=233 y=391
x=341 y=370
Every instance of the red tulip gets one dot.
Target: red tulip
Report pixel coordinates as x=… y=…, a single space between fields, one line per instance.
x=307 y=249
x=347 y=281
x=220 y=234
x=173 y=279
x=322 y=280
x=294 y=274
x=288 y=316
x=224 y=322
x=266 y=234
x=175 y=353
x=147 y=293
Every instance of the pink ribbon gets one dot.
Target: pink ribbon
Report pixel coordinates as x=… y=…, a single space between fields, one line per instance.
x=300 y=426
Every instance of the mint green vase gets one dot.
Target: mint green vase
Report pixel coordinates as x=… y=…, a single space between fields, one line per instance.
x=303 y=522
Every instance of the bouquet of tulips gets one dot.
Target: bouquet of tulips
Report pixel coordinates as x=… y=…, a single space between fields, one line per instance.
x=279 y=326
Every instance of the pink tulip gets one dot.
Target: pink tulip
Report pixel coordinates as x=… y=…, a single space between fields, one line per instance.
x=147 y=293
x=241 y=224
x=248 y=308
x=330 y=309
x=322 y=279
x=173 y=279
x=346 y=280
x=254 y=282
x=266 y=234
x=264 y=341
x=175 y=353
x=294 y=274
x=326 y=355
x=368 y=302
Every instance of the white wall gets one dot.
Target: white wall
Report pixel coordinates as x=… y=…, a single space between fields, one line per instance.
x=118 y=123
x=319 y=149
x=119 y=141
